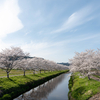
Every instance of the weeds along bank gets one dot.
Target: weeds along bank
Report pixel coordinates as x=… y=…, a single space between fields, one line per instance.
x=82 y=88
x=14 y=86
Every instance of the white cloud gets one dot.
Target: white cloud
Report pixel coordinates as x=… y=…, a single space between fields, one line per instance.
x=77 y=18
x=34 y=46
x=27 y=33
x=48 y=50
x=55 y=50
x=87 y=37
x=43 y=49
x=9 y=21
x=5 y=45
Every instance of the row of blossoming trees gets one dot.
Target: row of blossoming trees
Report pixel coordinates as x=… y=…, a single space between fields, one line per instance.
x=16 y=58
x=86 y=63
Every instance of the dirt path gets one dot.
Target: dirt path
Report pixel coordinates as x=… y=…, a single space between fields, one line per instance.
x=97 y=96
x=95 y=78
x=15 y=75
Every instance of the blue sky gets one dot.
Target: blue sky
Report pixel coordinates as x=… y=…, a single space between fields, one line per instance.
x=52 y=29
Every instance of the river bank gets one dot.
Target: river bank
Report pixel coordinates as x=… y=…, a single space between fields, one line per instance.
x=82 y=88
x=14 y=86
x=54 y=89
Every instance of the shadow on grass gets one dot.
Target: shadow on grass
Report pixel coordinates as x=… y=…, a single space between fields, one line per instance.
x=42 y=74
x=79 y=91
x=28 y=78
x=38 y=75
x=12 y=81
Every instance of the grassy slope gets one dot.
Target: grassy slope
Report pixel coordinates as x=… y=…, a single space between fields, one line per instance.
x=82 y=88
x=16 y=85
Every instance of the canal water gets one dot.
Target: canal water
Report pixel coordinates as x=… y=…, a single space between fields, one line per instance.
x=54 y=89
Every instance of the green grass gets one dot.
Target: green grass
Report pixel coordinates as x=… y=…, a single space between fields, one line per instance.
x=14 y=86
x=82 y=88
x=17 y=72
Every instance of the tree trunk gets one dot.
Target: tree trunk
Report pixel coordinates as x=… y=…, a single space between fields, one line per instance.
x=34 y=72
x=88 y=77
x=39 y=86
x=24 y=72
x=7 y=74
x=40 y=71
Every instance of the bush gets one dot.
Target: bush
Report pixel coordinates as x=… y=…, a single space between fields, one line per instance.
x=6 y=97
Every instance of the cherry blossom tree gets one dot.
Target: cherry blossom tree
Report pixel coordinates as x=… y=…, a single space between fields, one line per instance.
x=84 y=62
x=39 y=63
x=33 y=65
x=24 y=64
x=43 y=64
x=46 y=65
x=9 y=58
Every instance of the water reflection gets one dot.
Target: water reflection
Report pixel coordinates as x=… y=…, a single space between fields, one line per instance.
x=41 y=92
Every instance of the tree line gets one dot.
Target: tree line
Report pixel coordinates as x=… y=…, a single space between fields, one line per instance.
x=16 y=58
x=87 y=62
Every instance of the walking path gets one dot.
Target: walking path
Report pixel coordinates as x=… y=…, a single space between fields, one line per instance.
x=95 y=78
x=97 y=96
x=15 y=75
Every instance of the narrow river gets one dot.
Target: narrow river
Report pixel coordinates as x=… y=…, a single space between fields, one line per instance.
x=54 y=89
